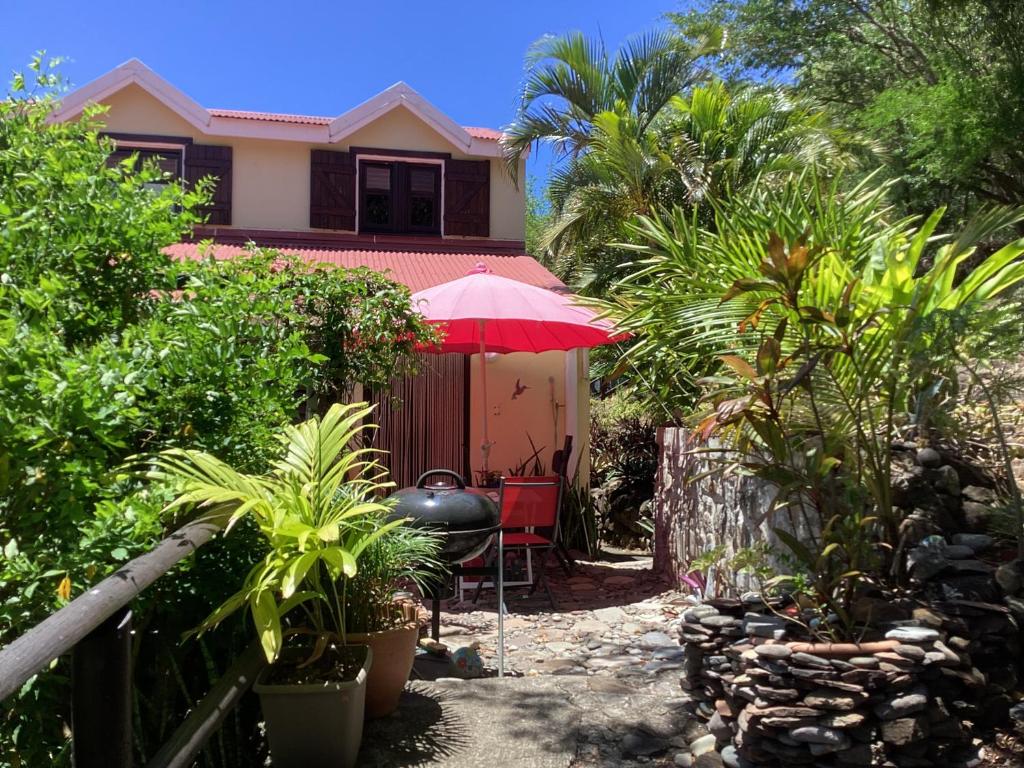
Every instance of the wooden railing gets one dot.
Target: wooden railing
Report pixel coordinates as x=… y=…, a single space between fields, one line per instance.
x=95 y=628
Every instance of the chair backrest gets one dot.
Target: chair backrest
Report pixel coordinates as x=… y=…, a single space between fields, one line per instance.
x=530 y=502
x=560 y=458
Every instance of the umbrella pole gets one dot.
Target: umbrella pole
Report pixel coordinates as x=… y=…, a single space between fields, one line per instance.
x=485 y=446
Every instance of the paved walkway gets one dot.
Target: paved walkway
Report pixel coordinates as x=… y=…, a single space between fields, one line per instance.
x=594 y=683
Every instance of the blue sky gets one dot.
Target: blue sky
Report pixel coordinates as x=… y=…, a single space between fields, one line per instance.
x=319 y=58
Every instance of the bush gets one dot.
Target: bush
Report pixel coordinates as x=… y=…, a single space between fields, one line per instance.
x=623 y=443
x=624 y=460
x=108 y=348
x=833 y=331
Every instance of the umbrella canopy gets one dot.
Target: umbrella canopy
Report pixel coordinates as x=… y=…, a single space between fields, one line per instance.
x=482 y=313
x=516 y=317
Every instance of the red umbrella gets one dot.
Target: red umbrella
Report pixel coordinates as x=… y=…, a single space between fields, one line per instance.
x=483 y=312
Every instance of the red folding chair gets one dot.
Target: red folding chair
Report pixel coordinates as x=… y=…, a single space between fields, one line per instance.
x=529 y=504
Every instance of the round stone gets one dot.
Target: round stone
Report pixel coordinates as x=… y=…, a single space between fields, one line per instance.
x=1010 y=577
x=810 y=660
x=958 y=552
x=864 y=662
x=816 y=734
x=912 y=634
x=643 y=744
x=773 y=651
x=929 y=457
x=901 y=706
x=978 y=542
x=702 y=745
x=913 y=652
x=730 y=757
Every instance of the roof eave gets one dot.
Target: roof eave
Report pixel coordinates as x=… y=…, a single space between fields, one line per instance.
x=132 y=72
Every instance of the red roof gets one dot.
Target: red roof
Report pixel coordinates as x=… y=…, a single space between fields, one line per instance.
x=482 y=133
x=416 y=269
x=270 y=117
x=488 y=134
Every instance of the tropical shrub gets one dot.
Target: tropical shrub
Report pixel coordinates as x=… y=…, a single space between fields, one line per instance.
x=833 y=327
x=643 y=130
x=317 y=511
x=578 y=95
x=405 y=557
x=109 y=348
x=938 y=83
x=623 y=445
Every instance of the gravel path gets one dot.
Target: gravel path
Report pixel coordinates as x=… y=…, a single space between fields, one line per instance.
x=593 y=683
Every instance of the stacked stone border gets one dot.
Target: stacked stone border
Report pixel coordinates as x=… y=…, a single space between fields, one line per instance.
x=912 y=697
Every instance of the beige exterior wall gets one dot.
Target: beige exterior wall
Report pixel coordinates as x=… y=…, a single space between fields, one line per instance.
x=271 y=177
x=531 y=415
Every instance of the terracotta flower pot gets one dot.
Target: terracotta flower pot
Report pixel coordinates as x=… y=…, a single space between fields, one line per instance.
x=394 y=651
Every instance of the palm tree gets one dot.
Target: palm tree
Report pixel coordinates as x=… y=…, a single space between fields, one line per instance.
x=724 y=141
x=705 y=145
x=571 y=79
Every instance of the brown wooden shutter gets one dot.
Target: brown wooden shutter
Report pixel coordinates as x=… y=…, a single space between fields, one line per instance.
x=467 y=198
x=202 y=161
x=116 y=157
x=332 y=190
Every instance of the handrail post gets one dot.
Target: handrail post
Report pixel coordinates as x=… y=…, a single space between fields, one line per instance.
x=101 y=695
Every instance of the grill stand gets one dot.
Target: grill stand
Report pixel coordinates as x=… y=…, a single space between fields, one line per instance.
x=497 y=572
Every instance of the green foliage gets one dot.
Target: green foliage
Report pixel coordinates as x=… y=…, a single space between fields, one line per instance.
x=571 y=79
x=315 y=510
x=705 y=145
x=81 y=240
x=940 y=83
x=623 y=447
x=640 y=131
x=108 y=348
x=573 y=87
x=755 y=561
x=579 y=518
x=538 y=217
x=404 y=557
x=832 y=325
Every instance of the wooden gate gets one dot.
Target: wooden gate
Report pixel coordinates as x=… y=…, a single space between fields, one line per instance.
x=424 y=422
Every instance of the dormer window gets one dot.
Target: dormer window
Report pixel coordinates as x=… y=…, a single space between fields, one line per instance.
x=166 y=157
x=399 y=197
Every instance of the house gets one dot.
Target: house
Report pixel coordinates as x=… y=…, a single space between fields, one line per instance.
x=392 y=184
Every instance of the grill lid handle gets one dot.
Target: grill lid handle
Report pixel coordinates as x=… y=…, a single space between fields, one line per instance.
x=459 y=482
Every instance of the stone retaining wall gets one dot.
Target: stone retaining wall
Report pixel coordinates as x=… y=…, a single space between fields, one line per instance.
x=692 y=516
x=903 y=699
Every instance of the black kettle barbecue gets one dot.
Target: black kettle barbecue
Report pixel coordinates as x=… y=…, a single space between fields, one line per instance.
x=467 y=517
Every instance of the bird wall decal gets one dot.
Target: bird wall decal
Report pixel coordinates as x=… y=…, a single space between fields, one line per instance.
x=520 y=388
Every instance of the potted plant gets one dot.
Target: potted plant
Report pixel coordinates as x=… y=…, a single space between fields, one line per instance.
x=317 y=511
x=403 y=557
x=488 y=478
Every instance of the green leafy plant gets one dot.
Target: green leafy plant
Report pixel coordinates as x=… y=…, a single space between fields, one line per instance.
x=937 y=83
x=755 y=561
x=316 y=510
x=108 y=348
x=531 y=465
x=828 y=324
x=579 y=528
x=403 y=557
x=623 y=444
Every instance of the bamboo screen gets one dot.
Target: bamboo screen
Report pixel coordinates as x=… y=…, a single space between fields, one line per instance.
x=423 y=420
